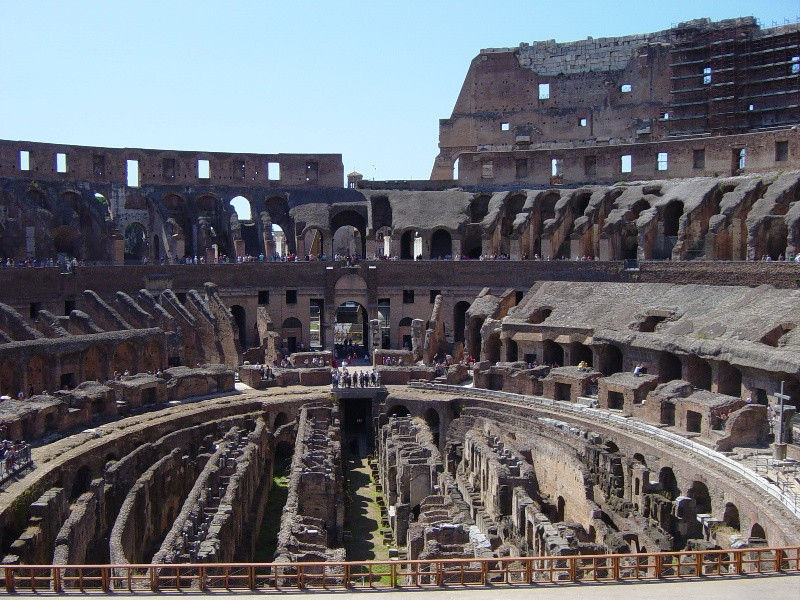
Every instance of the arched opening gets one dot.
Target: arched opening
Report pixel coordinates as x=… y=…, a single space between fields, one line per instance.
x=668 y=483
x=36 y=376
x=580 y=353
x=699 y=373
x=398 y=410
x=441 y=244
x=669 y=367
x=124 y=359
x=135 y=242
x=284 y=451
x=356 y=221
x=347 y=241
x=313 y=243
x=638 y=457
x=10 y=384
x=156 y=249
x=407 y=244
x=404 y=332
x=612 y=360
x=552 y=353
x=512 y=351
x=93 y=365
x=81 y=483
x=479 y=208
x=241 y=205
x=240 y=318
x=459 y=320
x=151 y=357
x=383 y=242
x=280 y=419
x=455 y=169
x=672 y=217
x=474 y=338
x=580 y=204
x=777 y=235
x=560 y=506
x=350 y=329
x=432 y=419
x=66 y=241
x=472 y=244
x=730 y=517
x=698 y=492
x=291 y=335
x=757 y=533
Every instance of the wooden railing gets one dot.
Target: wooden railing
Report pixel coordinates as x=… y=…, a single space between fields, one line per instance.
x=532 y=571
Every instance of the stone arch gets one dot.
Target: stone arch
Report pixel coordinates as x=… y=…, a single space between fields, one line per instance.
x=698 y=492
x=243 y=207
x=313 y=241
x=730 y=516
x=668 y=483
x=669 y=367
x=472 y=243
x=459 y=320
x=757 y=532
x=10 y=383
x=699 y=373
x=434 y=422
x=552 y=353
x=479 y=208
x=292 y=333
x=180 y=212
x=512 y=350
x=240 y=318
x=639 y=457
x=407 y=244
x=81 y=482
x=36 y=375
x=611 y=359
x=135 y=242
x=94 y=364
x=354 y=219
x=580 y=352
x=124 y=358
x=66 y=241
x=152 y=358
x=208 y=204
x=441 y=244
x=348 y=241
x=672 y=214
x=404 y=333
x=280 y=419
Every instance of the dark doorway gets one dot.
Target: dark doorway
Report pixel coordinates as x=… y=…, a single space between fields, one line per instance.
x=357 y=437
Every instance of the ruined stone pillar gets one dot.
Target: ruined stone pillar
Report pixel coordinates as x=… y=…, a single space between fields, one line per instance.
x=238 y=247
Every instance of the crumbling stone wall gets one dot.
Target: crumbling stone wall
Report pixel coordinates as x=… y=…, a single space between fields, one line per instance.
x=77 y=541
x=312 y=521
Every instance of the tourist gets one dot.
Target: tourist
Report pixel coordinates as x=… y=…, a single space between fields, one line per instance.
x=637 y=370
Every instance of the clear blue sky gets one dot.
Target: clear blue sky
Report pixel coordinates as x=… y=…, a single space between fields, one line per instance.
x=367 y=79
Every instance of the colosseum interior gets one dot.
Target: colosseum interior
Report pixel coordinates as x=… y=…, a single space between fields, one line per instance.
x=582 y=343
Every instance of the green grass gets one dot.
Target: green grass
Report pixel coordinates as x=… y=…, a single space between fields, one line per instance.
x=271 y=523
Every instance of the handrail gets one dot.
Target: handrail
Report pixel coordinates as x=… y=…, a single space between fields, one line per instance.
x=397 y=574
x=788 y=501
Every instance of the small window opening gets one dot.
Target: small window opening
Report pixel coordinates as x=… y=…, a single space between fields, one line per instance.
x=487 y=169
x=238 y=169
x=741 y=157
x=751 y=107
x=795 y=65
x=699 y=158
x=291 y=296
x=505 y=126
x=133 y=173
x=273 y=171
x=263 y=297
x=203 y=169
x=434 y=293
x=408 y=296
x=556 y=167
x=168 y=168
x=61 y=162
x=35 y=307
x=706 y=75
x=662 y=161
x=69 y=306
x=664 y=116
x=99 y=165
x=626 y=163
x=583 y=122
x=626 y=88
x=522 y=168
x=781 y=151
x=544 y=91
x=24 y=160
